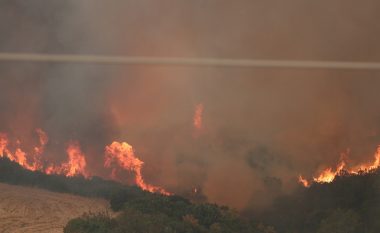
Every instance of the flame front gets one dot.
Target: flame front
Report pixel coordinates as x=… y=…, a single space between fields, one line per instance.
x=75 y=165
x=123 y=155
x=329 y=174
x=18 y=156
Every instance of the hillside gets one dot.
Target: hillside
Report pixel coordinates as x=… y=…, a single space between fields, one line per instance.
x=26 y=209
x=349 y=204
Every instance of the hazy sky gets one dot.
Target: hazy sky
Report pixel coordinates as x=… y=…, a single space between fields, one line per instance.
x=261 y=127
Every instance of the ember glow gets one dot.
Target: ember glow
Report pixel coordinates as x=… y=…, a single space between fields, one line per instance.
x=197 y=120
x=122 y=154
x=328 y=175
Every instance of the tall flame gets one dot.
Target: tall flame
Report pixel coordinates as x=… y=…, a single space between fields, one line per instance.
x=75 y=165
x=43 y=139
x=329 y=174
x=18 y=156
x=197 y=120
x=39 y=150
x=124 y=156
x=3 y=144
x=120 y=153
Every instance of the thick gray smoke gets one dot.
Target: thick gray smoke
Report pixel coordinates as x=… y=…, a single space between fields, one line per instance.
x=261 y=127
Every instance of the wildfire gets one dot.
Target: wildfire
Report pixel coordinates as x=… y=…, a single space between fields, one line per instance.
x=39 y=150
x=303 y=181
x=18 y=156
x=43 y=139
x=121 y=154
x=124 y=156
x=76 y=164
x=197 y=120
x=328 y=175
x=3 y=144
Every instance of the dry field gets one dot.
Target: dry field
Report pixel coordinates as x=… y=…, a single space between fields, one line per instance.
x=24 y=209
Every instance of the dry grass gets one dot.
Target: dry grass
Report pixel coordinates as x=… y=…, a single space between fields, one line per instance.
x=25 y=209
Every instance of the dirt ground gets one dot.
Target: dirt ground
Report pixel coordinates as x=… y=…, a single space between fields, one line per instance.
x=25 y=209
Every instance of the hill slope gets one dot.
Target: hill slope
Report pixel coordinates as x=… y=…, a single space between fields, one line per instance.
x=349 y=204
x=25 y=209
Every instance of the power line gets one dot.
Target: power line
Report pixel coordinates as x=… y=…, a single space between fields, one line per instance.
x=182 y=61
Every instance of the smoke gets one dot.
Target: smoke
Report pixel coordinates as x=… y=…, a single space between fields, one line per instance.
x=261 y=128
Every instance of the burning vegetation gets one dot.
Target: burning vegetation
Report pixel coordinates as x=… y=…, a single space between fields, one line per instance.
x=329 y=174
x=117 y=155
x=122 y=155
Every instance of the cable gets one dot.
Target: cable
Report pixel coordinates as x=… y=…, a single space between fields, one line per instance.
x=181 y=61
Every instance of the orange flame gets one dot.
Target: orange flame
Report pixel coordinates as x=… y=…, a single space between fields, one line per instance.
x=329 y=174
x=39 y=150
x=124 y=156
x=19 y=156
x=121 y=153
x=3 y=144
x=303 y=181
x=76 y=164
x=197 y=120
x=43 y=139
x=369 y=166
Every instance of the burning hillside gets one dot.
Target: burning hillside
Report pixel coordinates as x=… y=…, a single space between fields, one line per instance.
x=170 y=113
x=121 y=153
x=329 y=174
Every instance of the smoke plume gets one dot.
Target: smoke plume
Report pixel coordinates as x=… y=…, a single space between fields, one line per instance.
x=260 y=128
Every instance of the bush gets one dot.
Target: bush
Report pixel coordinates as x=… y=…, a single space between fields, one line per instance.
x=91 y=223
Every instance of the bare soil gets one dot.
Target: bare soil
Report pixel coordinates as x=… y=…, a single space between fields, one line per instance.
x=26 y=209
